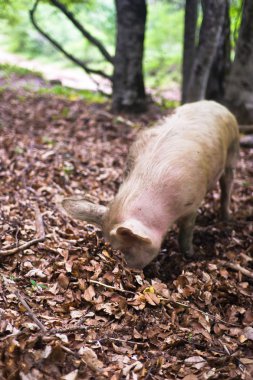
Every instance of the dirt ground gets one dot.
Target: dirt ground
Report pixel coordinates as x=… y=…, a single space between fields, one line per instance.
x=70 y=308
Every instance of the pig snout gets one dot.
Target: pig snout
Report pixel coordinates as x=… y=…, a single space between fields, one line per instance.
x=138 y=257
x=136 y=243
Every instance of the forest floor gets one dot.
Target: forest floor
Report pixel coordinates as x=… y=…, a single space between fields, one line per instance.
x=70 y=308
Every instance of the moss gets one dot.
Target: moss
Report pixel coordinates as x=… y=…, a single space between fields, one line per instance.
x=7 y=69
x=73 y=94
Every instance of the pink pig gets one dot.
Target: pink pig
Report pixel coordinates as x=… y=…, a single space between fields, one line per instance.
x=170 y=169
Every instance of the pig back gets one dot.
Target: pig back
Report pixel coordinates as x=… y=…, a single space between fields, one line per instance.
x=175 y=163
x=196 y=138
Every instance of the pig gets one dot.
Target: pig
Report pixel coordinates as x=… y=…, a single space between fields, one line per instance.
x=170 y=168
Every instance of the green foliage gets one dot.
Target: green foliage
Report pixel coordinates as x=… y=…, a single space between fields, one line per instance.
x=37 y=286
x=163 y=39
x=22 y=37
x=58 y=90
x=7 y=69
x=72 y=94
x=168 y=104
x=235 y=19
x=163 y=42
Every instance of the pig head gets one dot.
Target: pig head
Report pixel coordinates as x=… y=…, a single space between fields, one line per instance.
x=136 y=240
x=169 y=170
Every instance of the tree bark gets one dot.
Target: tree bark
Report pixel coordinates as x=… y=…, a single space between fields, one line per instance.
x=221 y=63
x=210 y=31
x=190 y=24
x=128 y=82
x=239 y=88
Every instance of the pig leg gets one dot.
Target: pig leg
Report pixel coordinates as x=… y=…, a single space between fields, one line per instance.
x=227 y=178
x=226 y=184
x=186 y=226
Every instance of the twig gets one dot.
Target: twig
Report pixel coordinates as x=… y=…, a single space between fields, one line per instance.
x=67 y=330
x=29 y=311
x=149 y=374
x=118 y=340
x=69 y=351
x=39 y=222
x=246 y=257
x=84 y=32
x=170 y=301
x=200 y=311
x=16 y=235
x=112 y=287
x=204 y=346
x=61 y=49
x=10 y=336
x=12 y=251
x=40 y=232
x=88 y=362
x=238 y=268
x=82 y=318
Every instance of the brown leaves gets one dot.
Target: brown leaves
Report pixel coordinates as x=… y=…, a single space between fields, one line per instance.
x=186 y=320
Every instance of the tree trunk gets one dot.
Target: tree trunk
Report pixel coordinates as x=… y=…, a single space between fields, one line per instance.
x=210 y=31
x=190 y=24
x=239 y=89
x=221 y=63
x=128 y=82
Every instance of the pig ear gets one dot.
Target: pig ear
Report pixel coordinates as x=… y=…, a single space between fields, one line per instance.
x=132 y=230
x=84 y=210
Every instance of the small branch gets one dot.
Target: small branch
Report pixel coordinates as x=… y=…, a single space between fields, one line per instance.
x=84 y=32
x=40 y=233
x=112 y=287
x=170 y=301
x=149 y=374
x=12 y=251
x=238 y=268
x=29 y=311
x=88 y=361
x=246 y=129
x=66 y=349
x=215 y=319
x=205 y=347
x=39 y=222
x=16 y=235
x=61 y=49
x=121 y=340
x=67 y=330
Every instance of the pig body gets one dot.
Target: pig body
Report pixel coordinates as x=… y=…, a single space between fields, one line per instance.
x=170 y=168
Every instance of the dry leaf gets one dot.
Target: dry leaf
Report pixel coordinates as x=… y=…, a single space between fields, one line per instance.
x=90 y=358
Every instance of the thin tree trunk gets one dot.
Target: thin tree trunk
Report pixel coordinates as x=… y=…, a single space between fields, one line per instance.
x=210 y=31
x=221 y=63
x=239 y=89
x=128 y=83
x=190 y=24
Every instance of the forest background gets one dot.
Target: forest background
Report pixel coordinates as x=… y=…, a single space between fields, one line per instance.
x=164 y=36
